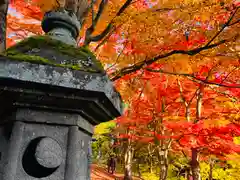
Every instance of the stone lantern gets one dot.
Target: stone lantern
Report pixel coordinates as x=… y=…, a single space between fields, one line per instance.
x=52 y=94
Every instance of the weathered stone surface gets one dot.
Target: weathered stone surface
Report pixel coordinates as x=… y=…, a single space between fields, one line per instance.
x=90 y=94
x=45 y=50
x=78 y=160
x=26 y=162
x=48 y=117
x=54 y=21
x=48 y=153
x=24 y=144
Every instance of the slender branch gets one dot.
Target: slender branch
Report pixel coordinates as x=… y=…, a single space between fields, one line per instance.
x=229 y=74
x=225 y=94
x=101 y=35
x=124 y=47
x=93 y=13
x=191 y=76
x=105 y=39
x=236 y=22
x=191 y=100
x=95 y=20
x=108 y=28
x=110 y=25
x=125 y=5
x=137 y=66
x=100 y=11
x=224 y=26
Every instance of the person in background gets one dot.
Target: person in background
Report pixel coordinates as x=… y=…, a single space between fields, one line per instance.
x=112 y=164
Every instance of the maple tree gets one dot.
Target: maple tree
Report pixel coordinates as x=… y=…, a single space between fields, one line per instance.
x=3 y=14
x=168 y=47
x=166 y=117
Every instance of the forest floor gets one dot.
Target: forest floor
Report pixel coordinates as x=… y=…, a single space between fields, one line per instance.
x=99 y=173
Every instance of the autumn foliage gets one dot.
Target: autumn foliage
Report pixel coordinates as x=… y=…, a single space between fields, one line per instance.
x=176 y=64
x=167 y=99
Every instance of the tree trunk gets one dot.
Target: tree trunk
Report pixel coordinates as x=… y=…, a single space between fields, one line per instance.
x=150 y=164
x=150 y=158
x=3 y=23
x=188 y=174
x=138 y=167
x=163 y=164
x=195 y=164
x=128 y=163
x=195 y=167
x=211 y=163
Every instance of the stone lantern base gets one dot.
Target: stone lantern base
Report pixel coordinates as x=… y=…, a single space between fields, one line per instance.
x=33 y=148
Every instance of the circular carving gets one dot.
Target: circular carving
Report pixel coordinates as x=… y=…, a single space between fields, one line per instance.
x=42 y=157
x=48 y=153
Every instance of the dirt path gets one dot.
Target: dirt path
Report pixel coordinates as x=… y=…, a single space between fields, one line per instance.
x=99 y=173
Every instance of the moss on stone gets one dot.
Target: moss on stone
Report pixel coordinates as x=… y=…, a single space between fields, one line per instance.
x=39 y=60
x=17 y=52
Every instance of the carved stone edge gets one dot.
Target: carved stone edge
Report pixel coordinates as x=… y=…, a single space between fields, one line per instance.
x=62 y=77
x=28 y=115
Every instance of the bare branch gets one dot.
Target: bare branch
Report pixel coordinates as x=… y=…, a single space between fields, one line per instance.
x=92 y=8
x=109 y=27
x=95 y=20
x=191 y=76
x=229 y=74
x=224 y=26
x=124 y=47
x=125 y=5
x=224 y=93
x=101 y=35
x=105 y=39
x=235 y=22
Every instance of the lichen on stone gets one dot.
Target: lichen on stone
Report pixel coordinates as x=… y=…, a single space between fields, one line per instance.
x=20 y=51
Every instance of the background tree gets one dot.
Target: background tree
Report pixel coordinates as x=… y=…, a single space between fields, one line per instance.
x=3 y=23
x=181 y=98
